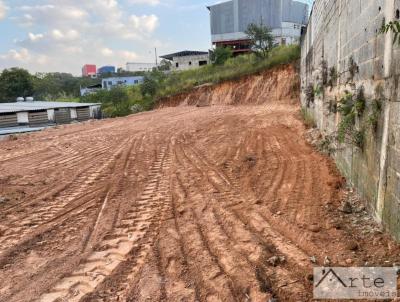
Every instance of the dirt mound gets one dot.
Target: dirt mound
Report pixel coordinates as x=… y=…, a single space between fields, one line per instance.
x=280 y=85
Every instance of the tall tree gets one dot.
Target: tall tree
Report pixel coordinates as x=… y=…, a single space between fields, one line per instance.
x=164 y=65
x=262 y=40
x=14 y=83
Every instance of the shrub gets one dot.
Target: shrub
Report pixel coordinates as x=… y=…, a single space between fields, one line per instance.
x=333 y=76
x=310 y=95
x=360 y=102
x=318 y=90
x=220 y=55
x=308 y=119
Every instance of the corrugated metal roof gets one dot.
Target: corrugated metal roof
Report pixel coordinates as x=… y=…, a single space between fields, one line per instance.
x=36 y=106
x=183 y=54
x=15 y=130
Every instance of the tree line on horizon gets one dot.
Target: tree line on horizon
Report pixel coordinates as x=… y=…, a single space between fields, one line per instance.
x=53 y=86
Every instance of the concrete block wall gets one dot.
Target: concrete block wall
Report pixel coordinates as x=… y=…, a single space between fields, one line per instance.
x=340 y=31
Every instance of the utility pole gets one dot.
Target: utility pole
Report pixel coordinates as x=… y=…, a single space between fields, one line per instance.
x=155 y=51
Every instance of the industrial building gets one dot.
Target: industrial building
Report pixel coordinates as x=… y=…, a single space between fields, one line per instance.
x=229 y=21
x=32 y=115
x=109 y=83
x=144 y=67
x=89 y=70
x=106 y=70
x=187 y=59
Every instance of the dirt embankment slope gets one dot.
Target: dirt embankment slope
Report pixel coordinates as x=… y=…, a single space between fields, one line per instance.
x=278 y=85
x=217 y=203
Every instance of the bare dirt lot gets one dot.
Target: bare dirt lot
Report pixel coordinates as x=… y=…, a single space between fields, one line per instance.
x=218 y=203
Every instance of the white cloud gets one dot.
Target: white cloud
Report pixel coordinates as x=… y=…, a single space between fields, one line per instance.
x=62 y=35
x=68 y=35
x=22 y=55
x=107 y=52
x=3 y=9
x=128 y=55
x=147 y=2
x=34 y=37
x=50 y=14
x=144 y=23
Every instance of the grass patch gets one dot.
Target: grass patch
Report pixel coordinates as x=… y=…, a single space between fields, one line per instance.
x=308 y=119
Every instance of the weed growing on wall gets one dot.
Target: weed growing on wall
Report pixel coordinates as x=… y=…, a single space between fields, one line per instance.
x=318 y=90
x=349 y=110
x=392 y=26
x=308 y=119
x=360 y=102
x=310 y=95
x=333 y=76
x=376 y=108
x=352 y=68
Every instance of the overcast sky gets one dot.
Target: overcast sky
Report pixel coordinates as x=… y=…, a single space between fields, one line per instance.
x=62 y=35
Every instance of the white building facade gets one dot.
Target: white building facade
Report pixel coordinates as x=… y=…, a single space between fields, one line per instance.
x=109 y=83
x=143 y=67
x=186 y=60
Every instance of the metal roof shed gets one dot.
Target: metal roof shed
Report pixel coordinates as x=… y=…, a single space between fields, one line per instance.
x=184 y=53
x=45 y=113
x=38 y=106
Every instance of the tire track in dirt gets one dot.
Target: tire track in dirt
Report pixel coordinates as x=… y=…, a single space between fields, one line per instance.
x=256 y=224
x=117 y=245
x=42 y=237
x=72 y=184
x=195 y=205
x=58 y=208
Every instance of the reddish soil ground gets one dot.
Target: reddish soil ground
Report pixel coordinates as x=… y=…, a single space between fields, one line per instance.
x=217 y=203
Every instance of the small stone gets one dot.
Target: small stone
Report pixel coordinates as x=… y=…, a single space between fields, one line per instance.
x=337 y=225
x=279 y=213
x=347 y=208
x=327 y=261
x=352 y=245
x=4 y=199
x=314 y=228
x=274 y=261
x=313 y=259
x=349 y=261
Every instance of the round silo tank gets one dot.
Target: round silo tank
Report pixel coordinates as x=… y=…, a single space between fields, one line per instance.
x=20 y=99
x=29 y=99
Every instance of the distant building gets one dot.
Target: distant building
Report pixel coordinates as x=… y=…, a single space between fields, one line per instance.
x=145 y=67
x=229 y=21
x=90 y=89
x=106 y=69
x=89 y=70
x=187 y=59
x=110 y=83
